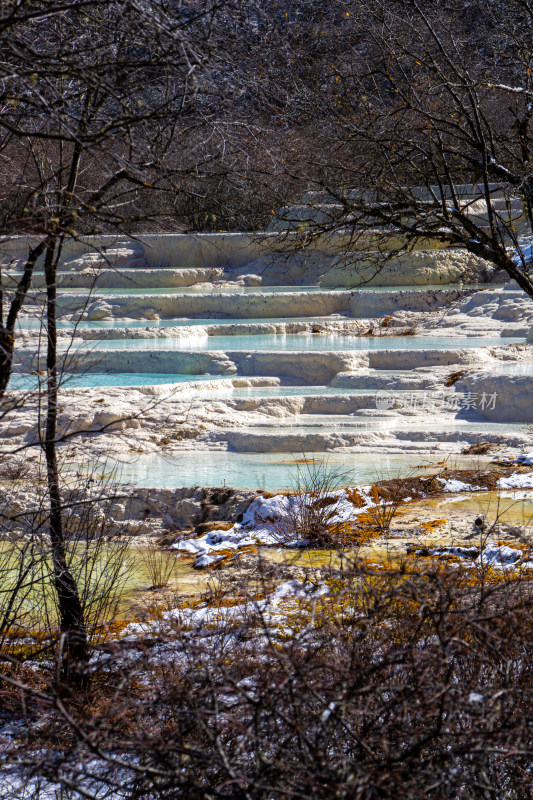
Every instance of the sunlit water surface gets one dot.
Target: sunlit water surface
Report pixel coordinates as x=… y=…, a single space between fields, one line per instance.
x=270 y=471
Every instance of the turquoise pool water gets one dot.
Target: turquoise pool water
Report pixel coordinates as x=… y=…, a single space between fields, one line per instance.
x=90 y=379
x=268 y=471
x=131 y=379
x=297 y=341
x=215 y=288
x=33 y=323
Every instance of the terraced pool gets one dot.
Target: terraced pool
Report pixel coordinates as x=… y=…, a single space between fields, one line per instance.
x=210 y=288
x=34 y=323
x=300 y=342
x=270 y=471
x=91 y=379
x=252 y=444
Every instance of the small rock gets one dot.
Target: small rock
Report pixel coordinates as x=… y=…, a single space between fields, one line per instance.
x=99 y=310
x=118 y=511
x=110 y=420
x=188 y=512
x=252 y=280
x=207 y=527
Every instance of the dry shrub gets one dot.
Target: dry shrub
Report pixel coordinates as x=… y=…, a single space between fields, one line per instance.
x=312 y=511
x=382 y=513
x=479 y=448
x=96 y=555
x=159 y=565
x=397 y=684
x=453 y=377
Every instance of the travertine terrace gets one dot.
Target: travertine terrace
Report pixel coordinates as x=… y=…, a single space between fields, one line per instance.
x=220 y=353
x=198 y=345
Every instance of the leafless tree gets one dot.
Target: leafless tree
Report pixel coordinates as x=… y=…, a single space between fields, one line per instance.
x=95 y=98
x=423 y=129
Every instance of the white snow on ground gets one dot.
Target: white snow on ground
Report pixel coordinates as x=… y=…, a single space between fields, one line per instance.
x=499 y=555
x=265 y=513
x=492 y=555
x=207 y=561
x=297 y=590
x=462 y=552
x=264 y=521
x=215 y=540
x=268 y=520
x=286 y=593
x=455 y=486
x=526 y=460
x=517 y=481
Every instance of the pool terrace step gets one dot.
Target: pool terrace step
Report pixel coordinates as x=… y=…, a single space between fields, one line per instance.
x=255 y=303
x=131 y=277
x=340 y=368
x=406 y=434
x=197 y=338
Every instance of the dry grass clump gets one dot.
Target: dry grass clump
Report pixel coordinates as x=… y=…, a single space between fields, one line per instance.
x=309 y=520
x=387 y=501
x=159 y=566
x=479 y=448
x=453 y=377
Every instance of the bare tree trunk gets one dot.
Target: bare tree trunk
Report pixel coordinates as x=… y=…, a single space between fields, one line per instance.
x=7 y=331
x=75 y=649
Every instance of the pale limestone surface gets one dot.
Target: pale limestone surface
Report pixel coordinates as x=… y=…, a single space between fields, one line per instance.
x=204 y=416
x=513 y=394
x=255 y=258
x=208 y=416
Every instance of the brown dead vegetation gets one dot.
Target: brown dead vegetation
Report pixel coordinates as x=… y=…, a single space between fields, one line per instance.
x=415 y=683
x=429 y=486
x=432 y=524
x=455 y=376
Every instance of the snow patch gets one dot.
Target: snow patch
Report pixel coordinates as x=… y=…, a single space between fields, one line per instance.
x=207 y=561
x=213 y=541
x=492 y=555
x=297 y=590
x=453 y=485
x=265 y=518
x=499 y=555
x=517 y=481
x=462 y=552
x=288 y=592
x=526 y=460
